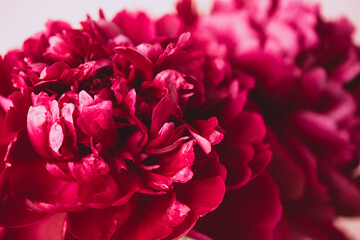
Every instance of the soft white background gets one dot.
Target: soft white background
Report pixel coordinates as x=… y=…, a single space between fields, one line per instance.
x=20 y=19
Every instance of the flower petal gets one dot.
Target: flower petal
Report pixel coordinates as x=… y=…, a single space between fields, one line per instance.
x=50 y=228
x=251 y=212
x=98 y=223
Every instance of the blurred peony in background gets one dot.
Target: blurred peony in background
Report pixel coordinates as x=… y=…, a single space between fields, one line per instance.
x=22 y=18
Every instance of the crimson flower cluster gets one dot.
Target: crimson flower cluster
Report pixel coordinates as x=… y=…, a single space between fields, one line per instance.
x=110 y=133
x=240 y=124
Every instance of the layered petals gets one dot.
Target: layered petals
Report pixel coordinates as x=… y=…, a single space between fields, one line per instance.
x=98 y=136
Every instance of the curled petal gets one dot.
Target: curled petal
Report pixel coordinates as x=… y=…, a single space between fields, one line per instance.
x=209 y=129
x=167 y=105
x=90 y=169
x=56 y=137
x=139 y=61
x=54 y=71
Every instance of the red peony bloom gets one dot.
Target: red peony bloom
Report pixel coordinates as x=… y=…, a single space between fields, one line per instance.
x=119 y=135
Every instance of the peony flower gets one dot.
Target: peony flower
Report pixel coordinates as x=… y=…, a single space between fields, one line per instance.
x=121 y=135
x=301 y=90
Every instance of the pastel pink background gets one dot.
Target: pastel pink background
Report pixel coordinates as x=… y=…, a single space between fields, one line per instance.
x=20 y=19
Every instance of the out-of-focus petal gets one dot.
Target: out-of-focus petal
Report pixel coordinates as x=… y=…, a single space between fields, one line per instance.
x=49 y=229
x=251 y=212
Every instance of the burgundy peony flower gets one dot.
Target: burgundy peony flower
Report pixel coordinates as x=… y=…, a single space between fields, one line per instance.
x=302 y=85
x=116 y=134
